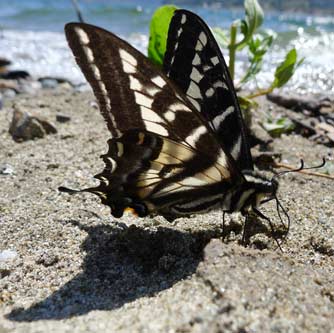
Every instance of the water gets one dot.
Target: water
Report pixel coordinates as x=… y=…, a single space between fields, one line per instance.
x=32 y=37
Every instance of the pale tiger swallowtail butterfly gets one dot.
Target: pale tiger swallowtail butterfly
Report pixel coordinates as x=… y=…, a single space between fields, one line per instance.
x=178 y=142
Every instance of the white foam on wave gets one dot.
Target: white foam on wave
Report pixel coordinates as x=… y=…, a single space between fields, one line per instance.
x=47 y=54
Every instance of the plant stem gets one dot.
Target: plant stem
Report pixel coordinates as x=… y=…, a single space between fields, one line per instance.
x=260 y=93
x=232 y=49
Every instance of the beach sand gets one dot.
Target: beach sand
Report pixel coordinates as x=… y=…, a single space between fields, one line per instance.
x=74 y=268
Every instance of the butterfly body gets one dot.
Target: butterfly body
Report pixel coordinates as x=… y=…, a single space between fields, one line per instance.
x=178 y=145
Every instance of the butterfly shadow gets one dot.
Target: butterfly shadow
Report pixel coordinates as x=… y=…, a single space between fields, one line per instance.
x=121 y=265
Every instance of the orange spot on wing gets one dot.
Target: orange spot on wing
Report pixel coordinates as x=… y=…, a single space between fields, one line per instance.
x=131 y=210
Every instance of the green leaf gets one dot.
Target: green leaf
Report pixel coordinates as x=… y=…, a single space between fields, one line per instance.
x=253 y=20
x=159 y=32
x=252 y=70
x=278 y=127
x=286 y=69
x=258 y=47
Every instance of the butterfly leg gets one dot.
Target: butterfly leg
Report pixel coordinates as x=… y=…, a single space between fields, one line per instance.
x=244 y=237
x=261 y=215
x=224 y=226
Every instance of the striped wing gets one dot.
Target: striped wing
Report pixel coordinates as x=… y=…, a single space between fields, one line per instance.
x=195 y=63
x=153 y=174
x=162 y=157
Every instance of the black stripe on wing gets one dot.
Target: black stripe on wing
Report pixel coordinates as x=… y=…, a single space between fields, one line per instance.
x=195 y=63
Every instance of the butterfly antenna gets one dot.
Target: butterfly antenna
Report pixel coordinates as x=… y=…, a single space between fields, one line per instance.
x=300 y=168
x=317 y=166
x=77 y=10
x=288 y=171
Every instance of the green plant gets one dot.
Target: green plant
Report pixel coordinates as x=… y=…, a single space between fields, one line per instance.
x=276 y=127
x=242 y=34
x=158 y=33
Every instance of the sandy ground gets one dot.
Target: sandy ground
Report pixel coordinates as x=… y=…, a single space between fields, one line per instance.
x=79 y=270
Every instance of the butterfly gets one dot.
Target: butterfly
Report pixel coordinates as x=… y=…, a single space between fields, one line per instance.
x=178 y=144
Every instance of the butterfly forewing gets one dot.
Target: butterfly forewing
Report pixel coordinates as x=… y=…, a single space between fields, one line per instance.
x=194 y=62
x=162 y=153
x=132 y=93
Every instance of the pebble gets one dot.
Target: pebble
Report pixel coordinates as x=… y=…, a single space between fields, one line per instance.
x=62 y=118
x=94 y=105
x=30 y=87
x=15 y=75
x=7 y=255
x=6 y=169
x=9 y=93
x=27 y=127
x=49 y=83
x=65 y=86
x=47 y=259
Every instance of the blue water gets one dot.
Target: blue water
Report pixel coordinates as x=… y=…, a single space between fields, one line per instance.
x=32 y=35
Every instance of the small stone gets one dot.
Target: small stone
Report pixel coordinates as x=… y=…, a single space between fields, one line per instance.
x=322 y=244
x=30 y=87
x=4 y=62
x=62 y=118
x=94 y=105
x=81 y=87
x=7 y=255
x=52 y=166
x=49 y=83
x=9 y=93
x=5 y=297
x=65 y=86
x=15 y=75
x=6 y=169
x=260 y=241
x=3 y=273
x=259 y=135
x=27 y=127
x=47 y=259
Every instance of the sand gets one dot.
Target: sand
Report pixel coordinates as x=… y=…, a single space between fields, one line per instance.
x=72 y=267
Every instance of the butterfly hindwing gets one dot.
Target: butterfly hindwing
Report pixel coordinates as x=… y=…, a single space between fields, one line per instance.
x=163 y=157
x=151 y=173
x=194 y=62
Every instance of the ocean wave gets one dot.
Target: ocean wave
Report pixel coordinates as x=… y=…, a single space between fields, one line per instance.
x=26 y=38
